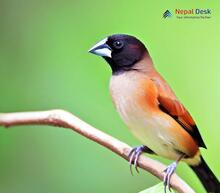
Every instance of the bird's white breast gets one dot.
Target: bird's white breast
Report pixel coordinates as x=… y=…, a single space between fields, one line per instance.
x=150 y=128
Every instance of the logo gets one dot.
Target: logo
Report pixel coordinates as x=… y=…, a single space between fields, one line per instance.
x=191 y=13
x=167 y=14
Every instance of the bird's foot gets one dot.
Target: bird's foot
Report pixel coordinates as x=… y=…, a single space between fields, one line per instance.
x=134 y=155
x=168 y=173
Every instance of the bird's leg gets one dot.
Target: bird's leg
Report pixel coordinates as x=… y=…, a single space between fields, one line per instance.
x=135 y=154
x=169 y=172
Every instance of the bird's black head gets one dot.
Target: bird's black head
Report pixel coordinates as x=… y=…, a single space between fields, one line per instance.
x=121 y=51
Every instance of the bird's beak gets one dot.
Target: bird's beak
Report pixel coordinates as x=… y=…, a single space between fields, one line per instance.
x=101 y=49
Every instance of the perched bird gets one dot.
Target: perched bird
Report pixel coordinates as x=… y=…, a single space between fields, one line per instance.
x=150 y=109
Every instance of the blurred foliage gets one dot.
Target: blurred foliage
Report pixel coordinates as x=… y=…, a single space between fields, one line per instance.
x=44 y=64
x=158 y=188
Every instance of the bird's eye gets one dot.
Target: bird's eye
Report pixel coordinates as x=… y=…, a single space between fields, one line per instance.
x=118 y=44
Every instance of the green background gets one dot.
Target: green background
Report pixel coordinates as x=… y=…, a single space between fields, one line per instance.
x=44 y=64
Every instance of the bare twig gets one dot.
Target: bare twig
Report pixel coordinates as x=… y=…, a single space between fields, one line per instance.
x=65 y=119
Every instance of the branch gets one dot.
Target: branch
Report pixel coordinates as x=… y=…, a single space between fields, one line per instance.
x=61 y=118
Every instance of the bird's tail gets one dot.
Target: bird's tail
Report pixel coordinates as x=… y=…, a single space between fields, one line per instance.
x=207 y=177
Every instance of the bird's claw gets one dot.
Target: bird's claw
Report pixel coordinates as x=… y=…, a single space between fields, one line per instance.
x=133 y=157
x=168 y=173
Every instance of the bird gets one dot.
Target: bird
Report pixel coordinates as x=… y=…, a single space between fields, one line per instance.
x=151 y=110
